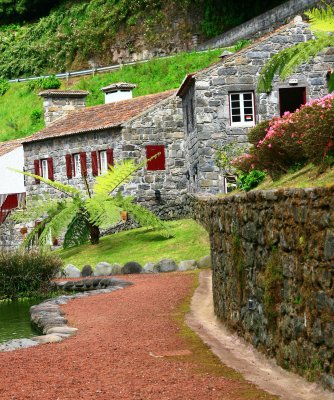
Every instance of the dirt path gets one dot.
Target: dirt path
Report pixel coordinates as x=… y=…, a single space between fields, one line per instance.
x=241 y=356
x=122 y=351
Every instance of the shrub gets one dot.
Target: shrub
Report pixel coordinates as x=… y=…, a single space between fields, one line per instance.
x=226 y=153
x=258 y=132
x=27 y=273
x=36 y=116
x=50 y=82
x=4 y=86
x=245 y=162
x=248 y=181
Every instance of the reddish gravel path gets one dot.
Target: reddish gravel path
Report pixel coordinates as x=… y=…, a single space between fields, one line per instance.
x=110 y=356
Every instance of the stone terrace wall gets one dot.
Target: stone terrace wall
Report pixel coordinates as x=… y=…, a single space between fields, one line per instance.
x=273 y=273
x=260 y=25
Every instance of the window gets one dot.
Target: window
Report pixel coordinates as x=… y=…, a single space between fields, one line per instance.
x=158 y=163
x=242 y=109
x=291 y=98
x=76 y=165
x=103 y=161
x=44 y=169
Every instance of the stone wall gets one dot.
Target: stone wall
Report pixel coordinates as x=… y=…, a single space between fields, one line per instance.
x=273 y=273
x=239 y=73
x=260 y=25
x=10 y=234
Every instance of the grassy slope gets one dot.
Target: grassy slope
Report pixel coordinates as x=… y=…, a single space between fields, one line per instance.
x=190 y=242
x=304 y=178
x=154 y=76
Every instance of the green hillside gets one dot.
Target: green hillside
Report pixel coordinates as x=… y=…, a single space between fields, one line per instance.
x=21 y=108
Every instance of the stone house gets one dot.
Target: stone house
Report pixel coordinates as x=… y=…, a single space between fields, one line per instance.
x=221 y=103
x=82 y=140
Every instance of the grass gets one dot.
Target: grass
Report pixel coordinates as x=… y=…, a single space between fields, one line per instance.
x=17 y=105
x=304 y=178
x=190 y=241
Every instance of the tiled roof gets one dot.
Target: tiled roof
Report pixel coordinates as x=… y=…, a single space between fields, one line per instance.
x=7 y=147
x=63 y=93
x=100 y=117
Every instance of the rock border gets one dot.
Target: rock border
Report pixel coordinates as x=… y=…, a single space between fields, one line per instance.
x=49 y=318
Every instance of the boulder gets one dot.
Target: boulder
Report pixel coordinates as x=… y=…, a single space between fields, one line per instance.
x=87 y=270
x=116 y=269
x=148 y=268
x=71 y=271
x=165 y=265
x=132 y=267
x=102 y=269
x=205 y=262
x=187 y=265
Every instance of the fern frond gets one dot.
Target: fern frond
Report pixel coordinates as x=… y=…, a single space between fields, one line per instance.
x=142 y=215
x=66 y=189
x=77 y=231
x=322 y=19
x=103 y=210
x=288 y=60
x=59 y=222
x=32 y=237
x=36 y=208
x=331 y=83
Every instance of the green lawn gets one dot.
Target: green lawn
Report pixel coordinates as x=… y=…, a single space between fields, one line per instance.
x=190 y=241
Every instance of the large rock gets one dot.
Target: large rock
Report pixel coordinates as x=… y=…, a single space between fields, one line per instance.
x=165 y=265
x=71 y=271
x=102 y=269
x=205 y=262
x=116 y=269
x=87 y=270
x=187 y=265
x=148 y=268
x=132 y=267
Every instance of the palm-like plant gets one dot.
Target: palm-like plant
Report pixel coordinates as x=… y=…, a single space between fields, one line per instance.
x=288 y=60
x=81 y=214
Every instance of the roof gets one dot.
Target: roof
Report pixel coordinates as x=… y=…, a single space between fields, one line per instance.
x=100 y=117
x=119 y=86
x=63 y=93
x=7 y=147
x=189 y=78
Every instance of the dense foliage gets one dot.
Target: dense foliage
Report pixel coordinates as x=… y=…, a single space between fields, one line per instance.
x=27 y=274
x=17 y=10
x=307 y=135
x=75 y=34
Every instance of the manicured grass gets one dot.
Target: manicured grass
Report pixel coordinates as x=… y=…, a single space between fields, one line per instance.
x=190 y=241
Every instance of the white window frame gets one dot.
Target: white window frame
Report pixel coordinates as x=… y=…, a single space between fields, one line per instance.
x=243 y=122
x=103 y=162
x=76 y=165
x=44 y=168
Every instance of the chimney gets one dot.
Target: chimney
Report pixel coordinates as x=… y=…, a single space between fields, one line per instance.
x=58 y=103
x=117 y=92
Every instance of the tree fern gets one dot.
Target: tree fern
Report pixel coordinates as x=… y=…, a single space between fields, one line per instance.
x=103 y=210
x=77 y=231
x=288 y=60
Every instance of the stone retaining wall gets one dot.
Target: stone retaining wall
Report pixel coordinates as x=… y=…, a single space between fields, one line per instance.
x=273 y=273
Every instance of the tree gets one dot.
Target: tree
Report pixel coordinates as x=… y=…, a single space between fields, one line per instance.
x=81 y=214
x=288 y=60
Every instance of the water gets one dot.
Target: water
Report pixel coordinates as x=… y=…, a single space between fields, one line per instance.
x=15 y=319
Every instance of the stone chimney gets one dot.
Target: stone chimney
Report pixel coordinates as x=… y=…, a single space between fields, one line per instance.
x=117 y=92
x=58 y=103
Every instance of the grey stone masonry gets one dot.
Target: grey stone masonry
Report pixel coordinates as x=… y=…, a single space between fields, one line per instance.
x=58 y=103
x=159 y=125
x=209 y=91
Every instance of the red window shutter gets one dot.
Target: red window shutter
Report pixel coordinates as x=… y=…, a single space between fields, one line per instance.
x=83 y=163
x=68 y=159
x=50 y=169
x=95 y=167
x=37 y=170
x=110 y=157
x=157 y=164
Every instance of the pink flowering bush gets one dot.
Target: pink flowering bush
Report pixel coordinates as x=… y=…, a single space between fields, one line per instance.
x=307 y=135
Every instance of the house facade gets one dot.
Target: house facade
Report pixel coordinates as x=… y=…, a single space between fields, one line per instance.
x=83 y=143
x=221 y=103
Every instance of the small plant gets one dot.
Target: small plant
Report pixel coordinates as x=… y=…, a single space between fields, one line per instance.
x=35 y=117
x=27 y=273
x=226 y=154
x=50 y=82
x=4 y=86
x=241 y=44
x=249 y=181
